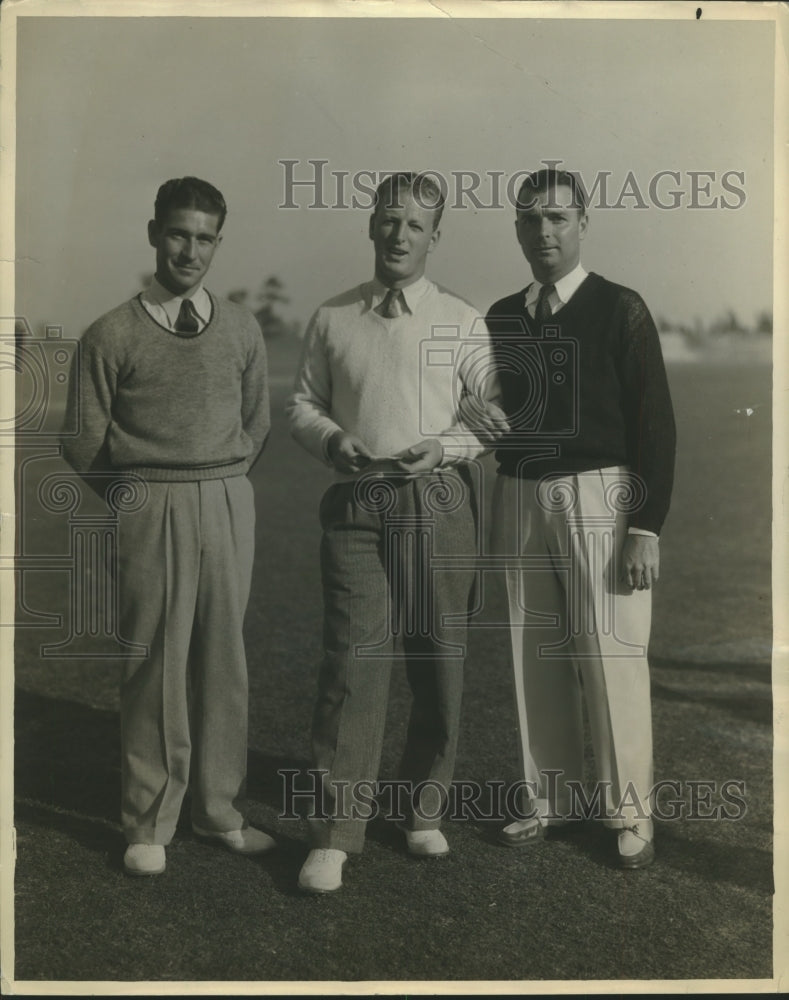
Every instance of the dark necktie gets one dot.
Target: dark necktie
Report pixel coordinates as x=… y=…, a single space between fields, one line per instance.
x=542 y=312
x=392 y=303
x=187 y=321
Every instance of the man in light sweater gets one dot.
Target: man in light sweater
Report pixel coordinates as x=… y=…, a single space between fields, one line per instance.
x=585 y=479
x=373 y=402
x=171 y=392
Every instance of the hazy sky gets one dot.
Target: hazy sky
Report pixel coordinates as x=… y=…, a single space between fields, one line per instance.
x=108 y=108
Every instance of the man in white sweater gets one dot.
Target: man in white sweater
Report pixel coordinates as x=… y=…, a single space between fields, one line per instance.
x=387 y=369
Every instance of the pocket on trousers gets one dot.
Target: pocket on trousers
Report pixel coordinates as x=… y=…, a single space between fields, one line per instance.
x=327 y=509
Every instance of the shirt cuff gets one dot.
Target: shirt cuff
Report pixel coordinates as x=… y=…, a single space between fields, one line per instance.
x=641 y=531
x=325 y=447
x=453 y=450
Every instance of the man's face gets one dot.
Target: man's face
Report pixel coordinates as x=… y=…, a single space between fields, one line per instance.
x=403 y=235
x=550 y=231
x=185 y=244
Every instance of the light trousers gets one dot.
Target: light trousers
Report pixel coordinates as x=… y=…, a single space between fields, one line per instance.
x=381 y=581
x=575 y=631
x=185 y=567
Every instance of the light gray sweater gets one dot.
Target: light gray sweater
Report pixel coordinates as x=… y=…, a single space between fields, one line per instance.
x=392 y=382
x=169 y=407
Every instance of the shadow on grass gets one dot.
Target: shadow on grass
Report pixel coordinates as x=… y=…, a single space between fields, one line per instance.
x=67 y=778
x=67 y=766
x=704 y=858
x=738 y=864
x=757 y=671
x=745 y=705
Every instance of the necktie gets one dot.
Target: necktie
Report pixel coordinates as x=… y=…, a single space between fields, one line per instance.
x=392 y=303
x=542 y=312
x=187 y=321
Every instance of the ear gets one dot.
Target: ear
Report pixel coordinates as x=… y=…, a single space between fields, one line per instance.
x=153 y=233
x=435 y=236
x=371 y=226
x=583 y=225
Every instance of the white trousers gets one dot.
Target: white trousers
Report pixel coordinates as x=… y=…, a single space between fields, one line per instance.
x=576 y=629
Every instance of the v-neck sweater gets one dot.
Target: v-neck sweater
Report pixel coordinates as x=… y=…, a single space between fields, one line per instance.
x=169 y=407
x=587 y=392
x=392 y=381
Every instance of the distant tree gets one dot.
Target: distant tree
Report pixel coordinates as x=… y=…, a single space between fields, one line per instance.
x=696 y=335
x=663 y=324
x=733 y=324
x=239 y=295
x=764 y=322
x=728 y=322
x=271 y=298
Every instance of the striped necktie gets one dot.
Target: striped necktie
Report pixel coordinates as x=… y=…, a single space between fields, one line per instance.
x=392 y=304
x=187 y=321
x=542 y=312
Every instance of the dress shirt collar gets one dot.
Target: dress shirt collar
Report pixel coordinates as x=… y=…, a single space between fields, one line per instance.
x=157 y=295
x=412 y=294
x=565 y=288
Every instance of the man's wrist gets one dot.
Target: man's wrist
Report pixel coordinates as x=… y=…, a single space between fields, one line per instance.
x=327 y=445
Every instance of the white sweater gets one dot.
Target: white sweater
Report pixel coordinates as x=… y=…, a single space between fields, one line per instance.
x=394 y=382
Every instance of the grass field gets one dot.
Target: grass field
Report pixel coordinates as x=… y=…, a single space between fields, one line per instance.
x=485 y=912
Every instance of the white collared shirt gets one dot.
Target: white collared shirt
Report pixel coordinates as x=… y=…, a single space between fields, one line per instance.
x=164 y=307
x=412 y=294
x=564 y=289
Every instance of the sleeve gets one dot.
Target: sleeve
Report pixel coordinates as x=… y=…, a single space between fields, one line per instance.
x=648 y=413
x=480 y=420
x=309 y=406
x=255 y=405
x=91 y=391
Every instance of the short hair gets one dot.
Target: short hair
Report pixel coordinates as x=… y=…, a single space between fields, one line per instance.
x=550 y=178
x=426 y=192
x=189 y=192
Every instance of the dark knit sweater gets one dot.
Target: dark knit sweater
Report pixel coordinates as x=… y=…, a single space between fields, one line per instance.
x=599 y=399
x=166 y=406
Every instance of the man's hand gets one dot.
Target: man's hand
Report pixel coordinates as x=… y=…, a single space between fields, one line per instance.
x=484 y=418
x=421 y=457
x=347 y=453
x=640 y=562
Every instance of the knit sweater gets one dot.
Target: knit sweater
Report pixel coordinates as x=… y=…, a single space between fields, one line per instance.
x=393 y=381
x=169 y=407
x=588 y=392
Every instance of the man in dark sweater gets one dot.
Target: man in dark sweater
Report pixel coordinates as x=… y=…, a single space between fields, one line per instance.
x=585 y=479
x=171 y=392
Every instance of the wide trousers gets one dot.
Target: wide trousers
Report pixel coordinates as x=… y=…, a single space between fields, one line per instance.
x=397 y=571
x=576 y=631
x=185 y=567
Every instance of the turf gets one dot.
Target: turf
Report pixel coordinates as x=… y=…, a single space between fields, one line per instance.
x=484 y=912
